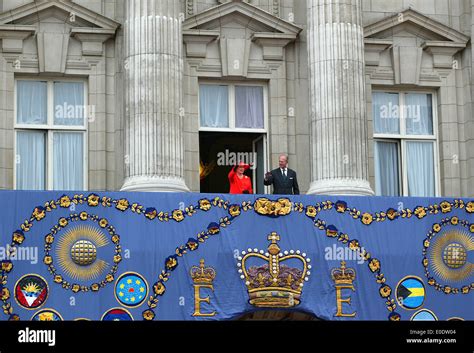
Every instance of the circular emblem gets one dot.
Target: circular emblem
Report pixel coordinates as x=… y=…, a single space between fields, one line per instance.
x=454 y=255
x=447 y=256
x=82 y=257
x=131 y=289
x=47 y=315
x=410 y=292
x=117 y=314
x=31 y=291
x=83 y=253
x=424 y=315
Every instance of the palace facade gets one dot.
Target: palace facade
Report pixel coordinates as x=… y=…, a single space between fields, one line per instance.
x=367 y=97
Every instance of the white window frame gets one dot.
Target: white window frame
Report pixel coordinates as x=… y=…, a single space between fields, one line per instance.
x=400 y=166
x=231 y=113
x=402 y=138
x=49 y=128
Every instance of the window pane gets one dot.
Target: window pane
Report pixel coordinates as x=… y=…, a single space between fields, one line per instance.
x=420 y=167
x=69 y=108
x=30 y=160
x=419 y=113
x=249 y=107
x=386 y=113
x=32 y=102
x=68 y=161
x=387 y=182
x=214 y=105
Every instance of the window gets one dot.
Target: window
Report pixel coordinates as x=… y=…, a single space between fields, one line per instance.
x=50 y=134
x=232 y=107
x=405 y=148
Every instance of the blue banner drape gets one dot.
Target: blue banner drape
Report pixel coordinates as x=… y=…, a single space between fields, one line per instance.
x=147 y=256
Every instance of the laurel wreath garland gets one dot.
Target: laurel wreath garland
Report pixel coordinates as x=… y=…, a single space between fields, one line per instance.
x=262 y=206
x=373 y=263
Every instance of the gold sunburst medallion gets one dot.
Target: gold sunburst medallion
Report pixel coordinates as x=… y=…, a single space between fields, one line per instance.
x=448 y=255
x=77 y=253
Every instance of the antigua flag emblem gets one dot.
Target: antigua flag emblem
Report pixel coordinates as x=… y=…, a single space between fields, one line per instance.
x=31 y=291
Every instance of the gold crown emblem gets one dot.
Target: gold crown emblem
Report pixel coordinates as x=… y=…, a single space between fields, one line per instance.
x=343 y=275
x=274 y=284
x=201 y=274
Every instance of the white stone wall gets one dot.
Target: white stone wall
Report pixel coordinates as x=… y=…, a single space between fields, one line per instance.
x=454 y=92
x=101 y=71
x=288 y=87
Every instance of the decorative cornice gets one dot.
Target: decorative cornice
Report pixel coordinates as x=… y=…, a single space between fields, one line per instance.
x=373 y=48
x=35 y=7
x=276 y=8
x=16 y=31
x=443 y=52
x=441 y=42
x=274 y=5
x=426 y=23
x=189 y=7
x=273 y=44
x=13 y=36
x=92 y=39
x=197 y=40
x=245 y=9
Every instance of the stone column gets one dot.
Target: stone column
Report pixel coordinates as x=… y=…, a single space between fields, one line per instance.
x=336 y=63
x=153 y=67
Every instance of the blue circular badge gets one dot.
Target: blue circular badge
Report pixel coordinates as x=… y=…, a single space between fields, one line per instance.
x=131 y=289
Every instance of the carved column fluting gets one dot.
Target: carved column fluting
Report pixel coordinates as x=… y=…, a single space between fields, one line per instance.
x=153 y=99
x=338 y=115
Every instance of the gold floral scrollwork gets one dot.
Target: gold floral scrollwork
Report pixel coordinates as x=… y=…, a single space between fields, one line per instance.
x=266 y=207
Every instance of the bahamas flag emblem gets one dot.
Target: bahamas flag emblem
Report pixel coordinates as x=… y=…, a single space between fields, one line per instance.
x=411 y=293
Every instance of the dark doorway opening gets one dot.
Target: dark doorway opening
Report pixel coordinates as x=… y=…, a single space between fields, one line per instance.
x=219 y=151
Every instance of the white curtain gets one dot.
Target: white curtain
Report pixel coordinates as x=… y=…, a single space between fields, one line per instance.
x=386 y=113
x=214 y=105
x=30 y=167
x=419 y=114
x=32 y=102
x=387 y=181
x=249 y=107
x=68 y=161
x=69 y=108
x=420 y=167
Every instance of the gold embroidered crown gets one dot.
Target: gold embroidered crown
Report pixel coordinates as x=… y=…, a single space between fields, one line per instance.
x=343 y=275
x=274 y=284
x=201 y=274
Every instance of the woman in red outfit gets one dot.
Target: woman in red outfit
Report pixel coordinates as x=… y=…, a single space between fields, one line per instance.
x=240 y=183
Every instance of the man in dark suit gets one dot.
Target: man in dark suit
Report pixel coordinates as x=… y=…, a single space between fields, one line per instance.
x=283 y=179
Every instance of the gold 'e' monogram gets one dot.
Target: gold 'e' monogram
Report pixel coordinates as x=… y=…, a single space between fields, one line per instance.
x=343 y=278
x=203 y=277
